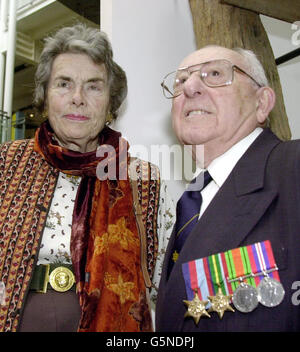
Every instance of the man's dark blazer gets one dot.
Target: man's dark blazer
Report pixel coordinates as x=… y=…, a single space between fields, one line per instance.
x=260 y=200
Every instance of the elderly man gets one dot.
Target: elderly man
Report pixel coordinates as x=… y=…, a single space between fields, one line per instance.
x=232 y=263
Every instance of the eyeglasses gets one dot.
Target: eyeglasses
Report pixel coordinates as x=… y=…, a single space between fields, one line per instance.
x=216 y=73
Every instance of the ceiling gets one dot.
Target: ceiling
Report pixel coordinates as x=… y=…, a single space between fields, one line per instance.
x=89 y=9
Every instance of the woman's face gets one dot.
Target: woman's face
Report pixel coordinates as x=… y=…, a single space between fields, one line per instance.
x=77 y=101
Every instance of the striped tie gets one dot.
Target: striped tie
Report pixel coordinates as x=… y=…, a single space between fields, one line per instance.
x=187 y=213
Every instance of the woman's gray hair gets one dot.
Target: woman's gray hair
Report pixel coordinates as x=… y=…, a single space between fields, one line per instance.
x=83 y=40
x=255 y=68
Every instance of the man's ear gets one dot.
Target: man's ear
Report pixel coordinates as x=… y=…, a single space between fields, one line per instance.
x=265 y=102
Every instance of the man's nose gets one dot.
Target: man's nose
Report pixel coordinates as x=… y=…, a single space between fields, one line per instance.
x=193 y=85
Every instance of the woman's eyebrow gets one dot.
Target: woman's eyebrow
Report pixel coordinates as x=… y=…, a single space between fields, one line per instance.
x=96 y=79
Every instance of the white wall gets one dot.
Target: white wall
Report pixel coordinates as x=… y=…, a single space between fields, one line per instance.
x=283 y=39
x=150 y=38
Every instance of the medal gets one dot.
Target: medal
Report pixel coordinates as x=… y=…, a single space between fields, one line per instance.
x=2 y=293
x=247 y=275
x=220 y=303
x=245 y=295
x=196 y=308
x=245 y=298
x=270 y=292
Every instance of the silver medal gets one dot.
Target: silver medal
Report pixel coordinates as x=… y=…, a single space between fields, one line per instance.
x=245 y=298
x=2 y=293
x=270 y=292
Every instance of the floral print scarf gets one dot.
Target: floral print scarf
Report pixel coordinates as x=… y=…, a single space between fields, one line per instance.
x=105 y=244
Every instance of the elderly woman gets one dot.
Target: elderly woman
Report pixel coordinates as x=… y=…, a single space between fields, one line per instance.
x=79 y=251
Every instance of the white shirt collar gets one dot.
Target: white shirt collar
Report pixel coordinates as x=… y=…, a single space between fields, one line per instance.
x=221 y=167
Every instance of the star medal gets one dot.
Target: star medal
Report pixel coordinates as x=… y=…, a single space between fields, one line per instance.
x=245 y=298
x=196 y=308
x=220 y=303
x=270 y=292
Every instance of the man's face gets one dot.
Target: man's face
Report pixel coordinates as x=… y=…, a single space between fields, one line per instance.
x=215 y=117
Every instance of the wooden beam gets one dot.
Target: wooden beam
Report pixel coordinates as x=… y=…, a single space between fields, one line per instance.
x=287 y=10
x=231 y=26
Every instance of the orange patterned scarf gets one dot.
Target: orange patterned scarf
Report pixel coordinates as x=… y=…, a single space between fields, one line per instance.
x=105 y=244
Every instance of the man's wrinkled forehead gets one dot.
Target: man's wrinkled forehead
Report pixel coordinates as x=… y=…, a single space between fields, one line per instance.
x=213 y=53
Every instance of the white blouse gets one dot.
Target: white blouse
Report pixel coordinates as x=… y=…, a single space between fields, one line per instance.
x=55 y=246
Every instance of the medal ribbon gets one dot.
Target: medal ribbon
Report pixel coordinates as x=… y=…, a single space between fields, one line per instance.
x=205 y=275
